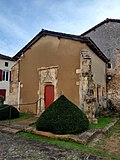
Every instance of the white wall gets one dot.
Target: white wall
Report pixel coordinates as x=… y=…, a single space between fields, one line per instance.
x=5 y=84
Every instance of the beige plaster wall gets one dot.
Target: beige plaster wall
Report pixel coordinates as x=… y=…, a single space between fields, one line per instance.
x=99 y=69
x=52 y=51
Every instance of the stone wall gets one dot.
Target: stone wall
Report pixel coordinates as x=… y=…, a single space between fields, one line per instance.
x=13 y=96
x=113 y=85
x=107 y=38
x=87 y=89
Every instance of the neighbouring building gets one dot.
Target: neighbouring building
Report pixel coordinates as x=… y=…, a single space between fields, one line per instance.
x=106 y=36
x=54 y=63
x=6 y=64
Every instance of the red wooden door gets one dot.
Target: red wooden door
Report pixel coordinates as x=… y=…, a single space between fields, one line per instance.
x=3 y=93
x=49 y=95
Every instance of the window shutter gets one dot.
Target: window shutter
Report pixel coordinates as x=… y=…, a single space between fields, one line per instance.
x=6 y=75
x=0 y=75
x=10 y=76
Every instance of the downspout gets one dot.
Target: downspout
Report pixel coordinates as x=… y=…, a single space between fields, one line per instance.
x=19 y=85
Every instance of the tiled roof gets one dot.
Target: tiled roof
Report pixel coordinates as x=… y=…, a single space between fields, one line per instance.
x=6 y=57
x=43 y=32
x=107 y=20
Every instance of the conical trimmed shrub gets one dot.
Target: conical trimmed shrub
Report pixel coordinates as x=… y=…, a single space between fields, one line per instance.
x=62 y=117
x=8 y=112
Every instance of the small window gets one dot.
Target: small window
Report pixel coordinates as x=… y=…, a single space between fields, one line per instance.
x=6 y=64
x=5 y=75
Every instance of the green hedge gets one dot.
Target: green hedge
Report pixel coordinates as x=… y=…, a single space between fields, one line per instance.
x=8 y=112
x=62 y=117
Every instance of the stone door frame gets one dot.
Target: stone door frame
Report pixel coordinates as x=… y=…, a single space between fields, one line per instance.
x=47 y=76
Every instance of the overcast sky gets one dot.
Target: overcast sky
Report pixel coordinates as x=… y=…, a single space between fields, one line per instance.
x=21 y=20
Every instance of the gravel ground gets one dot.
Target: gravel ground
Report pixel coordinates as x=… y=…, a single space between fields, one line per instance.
x=13 y=147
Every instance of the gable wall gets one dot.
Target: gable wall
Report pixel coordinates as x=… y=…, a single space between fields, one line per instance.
x=107 y=38
x=51 y=51
x=98 y=69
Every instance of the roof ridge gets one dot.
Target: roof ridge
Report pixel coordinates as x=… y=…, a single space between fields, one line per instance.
x=44 y=32
x=107 y=20
x=82 y=39
x=2 y=56
x=60 y=33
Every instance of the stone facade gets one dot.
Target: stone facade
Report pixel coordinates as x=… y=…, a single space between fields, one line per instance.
x=59 y=60
x=47 y=75
x=13 y=95
x=113 y=85
x=106 y=36
x=88 y=96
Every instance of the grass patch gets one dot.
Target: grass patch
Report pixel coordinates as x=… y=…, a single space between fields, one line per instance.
x=98 y=150
x=115 y=129
x=25 y=116
x=102 y=122
x=22 y=117
x=33 y=125
x=63 y=144
x=114 y=132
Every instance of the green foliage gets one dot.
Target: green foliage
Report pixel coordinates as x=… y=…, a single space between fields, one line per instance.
x=8 y=112
x=102 y=122
x=62 y=117
x=25 y=116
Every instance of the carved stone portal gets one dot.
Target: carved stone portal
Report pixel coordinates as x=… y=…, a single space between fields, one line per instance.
x=47 y=75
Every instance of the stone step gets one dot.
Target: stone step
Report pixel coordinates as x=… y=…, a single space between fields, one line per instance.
x=10 y=130
x=13 y=125
x=18 y=126
x=85 y=137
